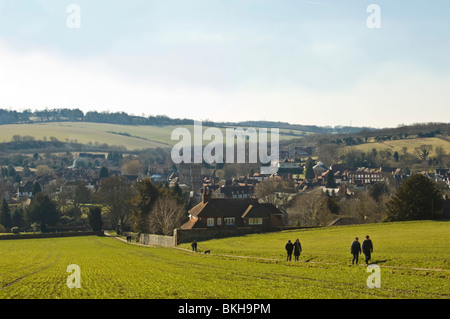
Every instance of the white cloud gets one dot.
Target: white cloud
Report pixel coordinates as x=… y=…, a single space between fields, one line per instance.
x=393 y=94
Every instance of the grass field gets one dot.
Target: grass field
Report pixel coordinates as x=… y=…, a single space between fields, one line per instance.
x=133 y=137
x=413 y=258
x=410 y=144
x=139 y=136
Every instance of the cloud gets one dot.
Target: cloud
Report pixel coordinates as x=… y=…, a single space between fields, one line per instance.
x=390 y=94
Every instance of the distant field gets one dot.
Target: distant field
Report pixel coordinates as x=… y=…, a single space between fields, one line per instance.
x=139 y=136
x=410 y=144
x=413 y=257
x=133 y=137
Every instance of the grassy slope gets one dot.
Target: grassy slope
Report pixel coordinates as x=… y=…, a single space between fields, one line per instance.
x=140 y=136
x=155 y=136
x=150 y=136
x=420 y=244
x=411 y=144
x=114 y=269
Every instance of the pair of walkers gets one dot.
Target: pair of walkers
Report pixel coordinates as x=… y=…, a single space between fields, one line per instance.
x=366 y=248
x=295 y=248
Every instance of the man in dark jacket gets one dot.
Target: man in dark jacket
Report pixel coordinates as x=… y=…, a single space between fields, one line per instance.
x=194 y=245
x=355 y=249
x=289 y=248
x=367 y=248
x=297 y=249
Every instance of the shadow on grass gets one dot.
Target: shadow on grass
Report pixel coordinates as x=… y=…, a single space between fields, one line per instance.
x=378 y=261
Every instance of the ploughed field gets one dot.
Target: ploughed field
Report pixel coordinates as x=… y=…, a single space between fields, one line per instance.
x=413 y=260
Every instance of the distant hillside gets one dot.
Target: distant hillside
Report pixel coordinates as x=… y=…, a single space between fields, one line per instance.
x=122 y=118
x=104 y=136
x=22 y=130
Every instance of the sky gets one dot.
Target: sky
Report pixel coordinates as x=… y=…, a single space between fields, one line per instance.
x=318 y=62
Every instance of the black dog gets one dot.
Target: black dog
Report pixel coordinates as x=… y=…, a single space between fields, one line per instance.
x=207 y=251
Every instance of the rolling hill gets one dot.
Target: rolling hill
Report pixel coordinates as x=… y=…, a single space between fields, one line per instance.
x=409 y=144
x=133 y=137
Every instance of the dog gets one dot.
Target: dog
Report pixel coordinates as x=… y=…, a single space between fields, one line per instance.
x=207 y=251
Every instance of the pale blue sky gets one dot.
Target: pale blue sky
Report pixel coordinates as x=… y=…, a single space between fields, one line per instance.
x=304 y=62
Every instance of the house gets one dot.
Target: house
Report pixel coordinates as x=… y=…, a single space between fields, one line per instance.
x=259 y=177
x=442 y=175
x=235 y=188
x=236 y=191
x=217 y=213
x=338 y=168
x=25 y=190
x=190 y=175
x=319 y=168
x=364 y=176
x=287 y=169
x=301 y=152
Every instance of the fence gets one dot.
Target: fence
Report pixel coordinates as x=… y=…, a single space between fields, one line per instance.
x=157 y=240
x=181 y=236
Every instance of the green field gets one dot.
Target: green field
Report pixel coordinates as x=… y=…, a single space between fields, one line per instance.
x=133 y=137
x=410 y=144
x=413 y=258
x=139 y=136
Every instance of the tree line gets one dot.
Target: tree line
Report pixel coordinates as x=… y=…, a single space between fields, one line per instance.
x=142 y=207
x=418 y=198
x=76 y=115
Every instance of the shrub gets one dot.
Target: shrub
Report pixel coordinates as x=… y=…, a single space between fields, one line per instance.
x=417 y=198
x=95 y=218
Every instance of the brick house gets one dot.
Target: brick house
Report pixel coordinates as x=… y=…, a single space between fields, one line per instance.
x=363 y=177
x=215 y=213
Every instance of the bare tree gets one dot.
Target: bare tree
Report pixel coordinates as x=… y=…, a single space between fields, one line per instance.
x=365 y=208
x=310 y=209
x=277 y=192
x=132 y=167
x=166 y=215
x=423 y=151
x=115 y=193
x=440 y=155
x=265 y=191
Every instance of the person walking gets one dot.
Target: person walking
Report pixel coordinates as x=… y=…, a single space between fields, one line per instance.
x=367 y=249
x=194 y=245
x=289 y=248
x=355 y=249
x=297 y=249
